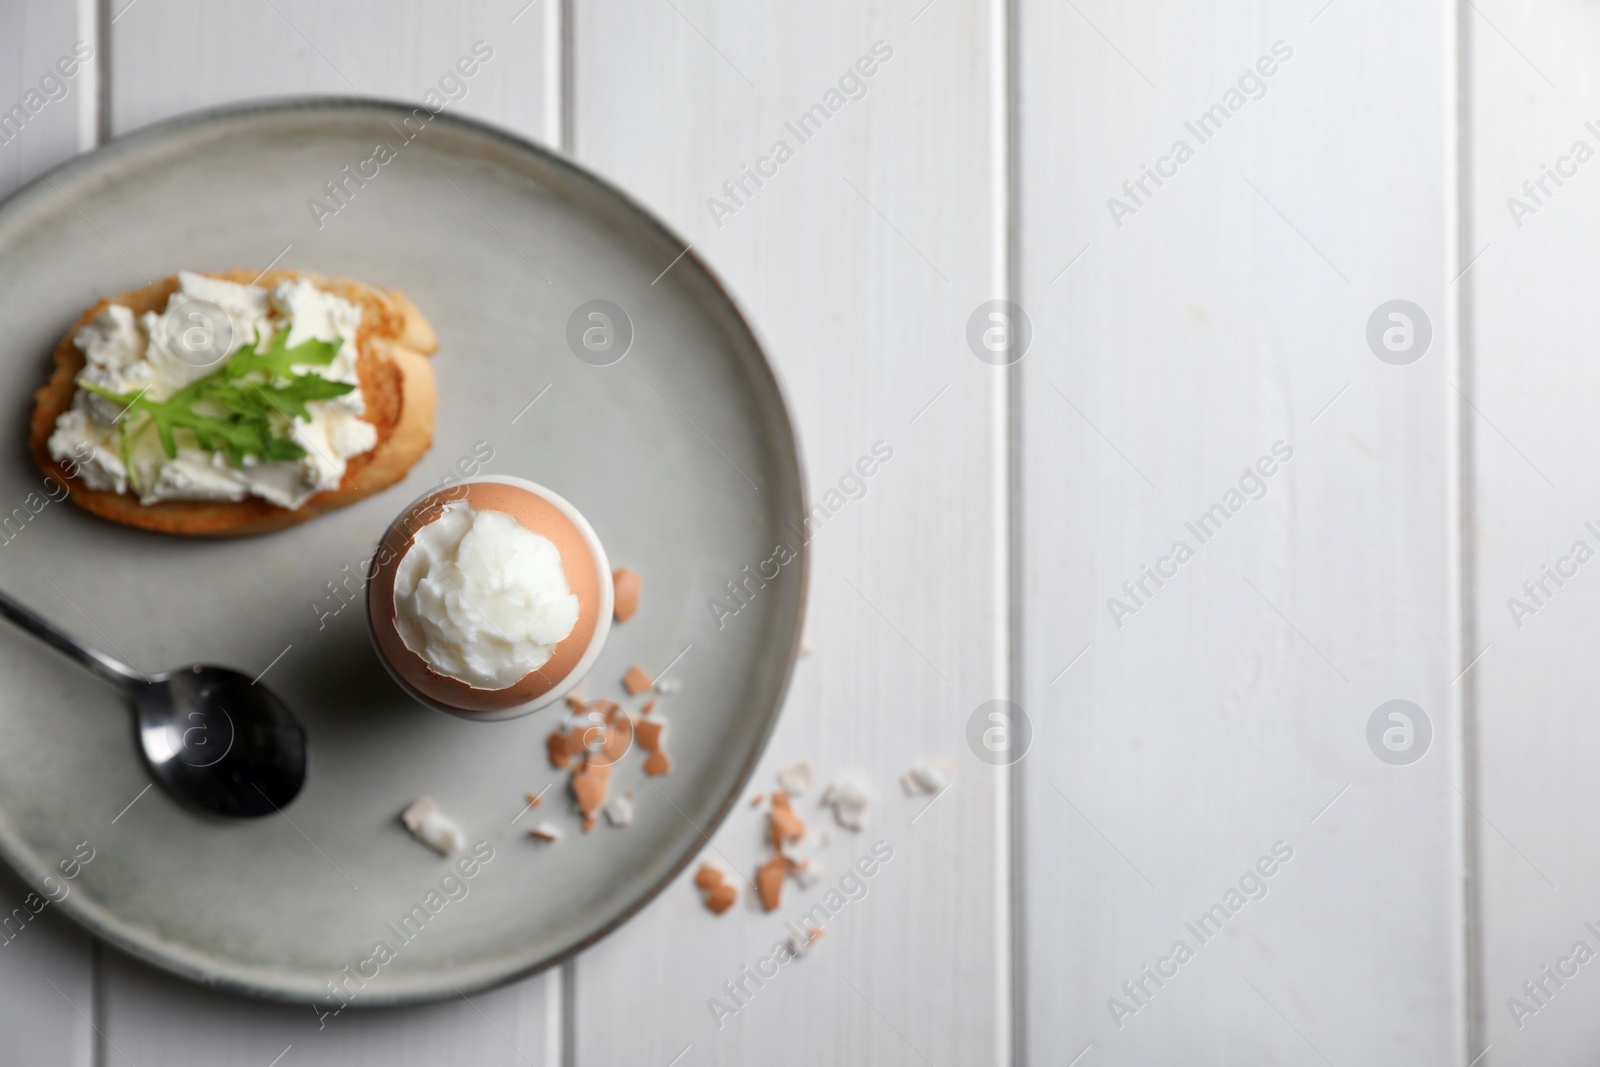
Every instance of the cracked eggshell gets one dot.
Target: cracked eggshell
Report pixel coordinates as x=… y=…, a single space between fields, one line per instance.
x=588 y=575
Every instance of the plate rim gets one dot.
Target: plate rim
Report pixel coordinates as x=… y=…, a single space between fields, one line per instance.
x=93 y=916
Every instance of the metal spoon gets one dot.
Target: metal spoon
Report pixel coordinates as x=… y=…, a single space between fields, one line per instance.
x=213 y=739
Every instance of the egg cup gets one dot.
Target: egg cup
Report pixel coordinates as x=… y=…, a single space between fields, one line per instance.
x=588 y=576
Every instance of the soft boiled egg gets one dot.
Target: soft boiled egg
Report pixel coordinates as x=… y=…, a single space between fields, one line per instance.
x=490 y=598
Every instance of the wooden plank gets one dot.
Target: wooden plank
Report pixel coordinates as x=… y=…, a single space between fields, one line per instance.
x=1534 y=386
x=48 y=70
x=177 y=55
x=47 y=999
x=1185 y=325
x=49 y=86
x=169 y=58
x=860 y=256
x=156 y=1020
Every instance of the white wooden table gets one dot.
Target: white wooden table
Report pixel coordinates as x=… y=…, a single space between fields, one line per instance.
x=1340 y=154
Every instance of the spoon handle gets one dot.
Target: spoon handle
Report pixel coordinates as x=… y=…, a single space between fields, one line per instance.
x=111 y=670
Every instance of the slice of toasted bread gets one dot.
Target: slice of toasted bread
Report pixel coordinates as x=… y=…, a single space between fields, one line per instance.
x=396 y=382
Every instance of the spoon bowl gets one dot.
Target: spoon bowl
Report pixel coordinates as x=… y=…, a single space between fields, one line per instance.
x=219 y=741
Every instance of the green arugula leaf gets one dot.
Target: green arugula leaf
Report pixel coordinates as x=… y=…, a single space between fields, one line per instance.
x=231 y=409
x=290 y=400
x=277 y=359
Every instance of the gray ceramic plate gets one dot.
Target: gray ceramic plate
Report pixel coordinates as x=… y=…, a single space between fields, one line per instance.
x=681 y=454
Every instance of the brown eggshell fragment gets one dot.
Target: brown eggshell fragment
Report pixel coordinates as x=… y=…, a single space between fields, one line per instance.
x=658 y=765
x=589 y=783
x=556 y=746
x=648 y=734
x=619 y=738
x=719 y=892
x=769 y=880
x=626 y=582
x=636 y=680
x=720 y=898
x=785 y=824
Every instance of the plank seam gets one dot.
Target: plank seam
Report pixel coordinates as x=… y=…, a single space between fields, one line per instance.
x=568 y=986
x=566 y=982
x=1011 y=433
x=102 y=69
x=568 y=56
x=1475 y=1023
x=100 y=32
x=97 y=1004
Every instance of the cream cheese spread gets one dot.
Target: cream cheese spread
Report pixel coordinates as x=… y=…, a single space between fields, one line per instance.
x=482 y=598
x=206 y=321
